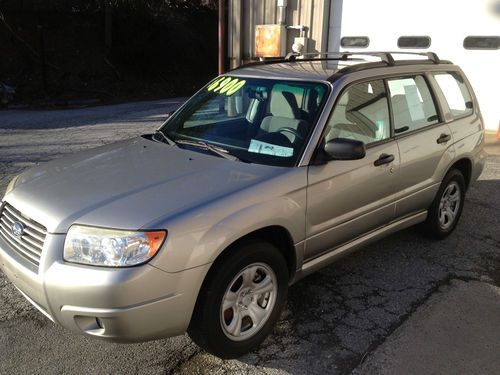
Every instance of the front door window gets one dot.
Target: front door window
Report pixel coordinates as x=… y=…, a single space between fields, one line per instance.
x=361 y=113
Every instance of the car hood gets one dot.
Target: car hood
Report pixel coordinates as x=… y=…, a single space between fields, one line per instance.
x=128 y=184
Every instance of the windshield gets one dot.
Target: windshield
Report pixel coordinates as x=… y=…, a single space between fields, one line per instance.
x=262 y=121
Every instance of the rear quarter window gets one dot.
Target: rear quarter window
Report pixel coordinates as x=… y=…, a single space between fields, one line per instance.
x=456 y=93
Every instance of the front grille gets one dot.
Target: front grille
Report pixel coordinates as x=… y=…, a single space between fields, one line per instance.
x=29 y=244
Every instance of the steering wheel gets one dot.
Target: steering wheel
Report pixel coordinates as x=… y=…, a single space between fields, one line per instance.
x=288 y=129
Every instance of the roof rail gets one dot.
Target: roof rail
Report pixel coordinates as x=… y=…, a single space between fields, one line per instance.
x=293 y=57
x=384 y=56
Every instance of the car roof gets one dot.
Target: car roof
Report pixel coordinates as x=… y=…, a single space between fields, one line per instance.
x=329 y=69
x=304 y=70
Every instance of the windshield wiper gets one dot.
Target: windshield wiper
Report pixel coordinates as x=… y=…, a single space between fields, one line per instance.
x=165 y=138
x=222 y=152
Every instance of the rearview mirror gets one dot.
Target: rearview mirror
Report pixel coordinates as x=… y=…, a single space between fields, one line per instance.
x=344 y=149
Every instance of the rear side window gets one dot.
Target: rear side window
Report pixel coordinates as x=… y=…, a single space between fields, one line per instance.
x=456 y=93
x=361 y=113
x=412 y=104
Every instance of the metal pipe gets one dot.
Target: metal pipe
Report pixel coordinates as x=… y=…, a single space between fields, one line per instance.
x=282 y=12
x=222 y=36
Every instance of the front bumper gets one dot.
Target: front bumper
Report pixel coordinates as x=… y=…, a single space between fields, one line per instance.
x=123 y=305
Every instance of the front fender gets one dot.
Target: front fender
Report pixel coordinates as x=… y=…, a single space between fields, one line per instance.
x=202 y=238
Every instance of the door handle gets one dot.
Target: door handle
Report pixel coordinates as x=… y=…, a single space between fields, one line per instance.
x=384 y=159
x=443 y=138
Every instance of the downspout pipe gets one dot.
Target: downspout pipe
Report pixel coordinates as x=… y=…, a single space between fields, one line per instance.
x=282 y=4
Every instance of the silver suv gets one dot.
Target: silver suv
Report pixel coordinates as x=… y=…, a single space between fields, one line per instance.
x=267 y=174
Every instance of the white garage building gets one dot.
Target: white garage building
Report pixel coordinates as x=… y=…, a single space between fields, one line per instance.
x=464 y=31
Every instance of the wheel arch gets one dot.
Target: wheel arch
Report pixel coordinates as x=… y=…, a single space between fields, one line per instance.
x=464 y=165
x=276 y=235
x=199 y=330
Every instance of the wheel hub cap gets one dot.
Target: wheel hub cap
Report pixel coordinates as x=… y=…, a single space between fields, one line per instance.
x=449 y=205
x=248 y=302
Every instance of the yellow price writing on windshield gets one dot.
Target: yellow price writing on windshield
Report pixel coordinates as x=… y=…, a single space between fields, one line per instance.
x=226 y=85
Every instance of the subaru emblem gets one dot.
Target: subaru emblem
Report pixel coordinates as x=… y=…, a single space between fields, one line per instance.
x=17 y=229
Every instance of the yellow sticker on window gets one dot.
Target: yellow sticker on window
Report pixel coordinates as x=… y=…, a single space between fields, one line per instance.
x=214 y=84
x=226 y=85
x=235 y=87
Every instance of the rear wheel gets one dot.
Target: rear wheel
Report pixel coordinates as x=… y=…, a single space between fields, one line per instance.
x=446 y=209
x=241 y=300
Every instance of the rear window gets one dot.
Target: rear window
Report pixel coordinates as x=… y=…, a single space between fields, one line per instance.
x=456 y=93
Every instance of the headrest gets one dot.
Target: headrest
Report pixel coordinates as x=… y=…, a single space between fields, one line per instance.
x=284 y=104
x=358 y=95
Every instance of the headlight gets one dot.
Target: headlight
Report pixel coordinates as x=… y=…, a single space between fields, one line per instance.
x=11 y=185
x=110 y=247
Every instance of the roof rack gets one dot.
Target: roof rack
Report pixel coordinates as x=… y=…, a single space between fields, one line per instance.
x=385 y=57
x=344 y=56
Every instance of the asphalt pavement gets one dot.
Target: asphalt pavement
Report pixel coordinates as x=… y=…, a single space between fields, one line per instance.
x=372 y=312
x=457 y=331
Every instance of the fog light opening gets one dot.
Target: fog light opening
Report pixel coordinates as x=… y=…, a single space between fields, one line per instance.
x=91 y=325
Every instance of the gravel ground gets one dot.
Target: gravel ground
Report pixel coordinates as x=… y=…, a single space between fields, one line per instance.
x=333 y=320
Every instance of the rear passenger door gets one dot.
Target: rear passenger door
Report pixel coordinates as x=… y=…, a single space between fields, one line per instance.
x=348 y=198
x=423 y=139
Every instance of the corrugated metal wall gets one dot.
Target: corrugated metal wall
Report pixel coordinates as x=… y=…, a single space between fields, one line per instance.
x=244 y=15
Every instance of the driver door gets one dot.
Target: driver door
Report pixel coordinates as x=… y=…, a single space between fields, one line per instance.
x=348 y=198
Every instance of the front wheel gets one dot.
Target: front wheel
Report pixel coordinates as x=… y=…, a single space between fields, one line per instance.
x=241 y=300
x=447 y=206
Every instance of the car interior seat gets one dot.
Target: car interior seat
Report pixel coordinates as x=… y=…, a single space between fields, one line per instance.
x=284 y=113
x=348 y=121
x=401 y=111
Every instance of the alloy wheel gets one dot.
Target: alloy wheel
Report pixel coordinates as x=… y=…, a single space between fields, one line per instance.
x=248 y=301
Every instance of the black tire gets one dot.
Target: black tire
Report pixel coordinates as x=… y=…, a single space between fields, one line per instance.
x=433 y=227
x=206 y=327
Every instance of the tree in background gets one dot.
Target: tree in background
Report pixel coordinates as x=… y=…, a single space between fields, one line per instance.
x=109 y=49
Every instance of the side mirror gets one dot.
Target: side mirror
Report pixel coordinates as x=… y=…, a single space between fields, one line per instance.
x=344 y=149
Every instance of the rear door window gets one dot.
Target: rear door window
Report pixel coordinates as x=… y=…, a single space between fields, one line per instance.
x=456 y=93
x=412 y=104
